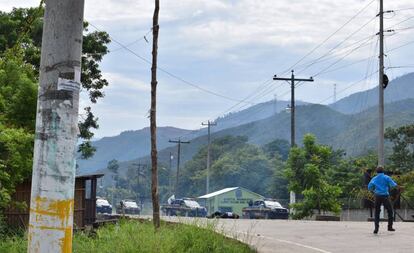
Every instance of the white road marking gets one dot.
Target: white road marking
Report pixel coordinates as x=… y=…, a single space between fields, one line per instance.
x=289 y=242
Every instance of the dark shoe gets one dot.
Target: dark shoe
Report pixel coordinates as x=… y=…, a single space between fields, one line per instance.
x=391 y=229
x=376 y=231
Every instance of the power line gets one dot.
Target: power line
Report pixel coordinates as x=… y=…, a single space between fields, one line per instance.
x=348 y=87
x=405 y=9
x=330 y=36
x=173 y=75
x=342 y=42
x=313 y=50
x=133 y=42
x=403 y=21
x=339 y=60
x=405 y=28
x=364 y=40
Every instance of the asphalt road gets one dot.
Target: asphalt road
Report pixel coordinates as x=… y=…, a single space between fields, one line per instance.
x=315 y=236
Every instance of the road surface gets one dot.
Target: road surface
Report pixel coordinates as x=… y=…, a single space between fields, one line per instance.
x=287 y=236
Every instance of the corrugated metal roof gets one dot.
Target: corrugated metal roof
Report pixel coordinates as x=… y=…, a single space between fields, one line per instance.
x=213 y=194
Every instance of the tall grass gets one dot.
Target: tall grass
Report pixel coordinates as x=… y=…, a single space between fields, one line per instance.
x=132 y=236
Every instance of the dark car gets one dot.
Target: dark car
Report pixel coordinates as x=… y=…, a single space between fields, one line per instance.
x=103 y=206
x=184 y=207
x=265 y=209
x=128 y=207
x=224 y=215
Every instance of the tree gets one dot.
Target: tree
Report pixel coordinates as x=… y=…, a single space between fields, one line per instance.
x=402 y=158
x=277 y=147
x=234 y=163
x=21 y=31
x=307 y=170
x=18 y=91
x=153 y=121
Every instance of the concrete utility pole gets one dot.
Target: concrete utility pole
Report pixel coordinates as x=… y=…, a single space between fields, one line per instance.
x=381 y=87
x=54 y=165
x=209 y=125
x=179 y=142
x=334 y=96
x=170 y=175
x=292 y=80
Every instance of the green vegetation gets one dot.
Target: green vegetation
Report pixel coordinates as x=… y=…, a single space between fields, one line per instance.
x=307 y=170
x=402 y=158
x=131 y=236
x=20 y=43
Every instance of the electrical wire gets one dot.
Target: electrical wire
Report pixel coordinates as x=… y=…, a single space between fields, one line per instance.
x=330 y=36
x=364 y=40
x=404 y=9
x=315 y=48
x=174 y=75
x=339 y=60
x=348 y=87
x=339 y=44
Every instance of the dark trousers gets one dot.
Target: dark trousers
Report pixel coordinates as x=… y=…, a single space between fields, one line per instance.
x=383 y=200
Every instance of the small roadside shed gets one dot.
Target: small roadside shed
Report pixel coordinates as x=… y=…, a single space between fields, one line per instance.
x=232 y=199
x=85 y=203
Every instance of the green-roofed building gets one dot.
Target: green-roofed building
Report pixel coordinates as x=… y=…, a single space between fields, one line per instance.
x=232 y=199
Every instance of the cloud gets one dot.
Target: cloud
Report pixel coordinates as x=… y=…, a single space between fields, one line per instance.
x=231 y=47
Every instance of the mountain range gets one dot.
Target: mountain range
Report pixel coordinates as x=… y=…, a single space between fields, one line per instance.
x=340 y=125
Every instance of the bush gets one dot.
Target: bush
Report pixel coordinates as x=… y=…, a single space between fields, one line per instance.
x=131 y=236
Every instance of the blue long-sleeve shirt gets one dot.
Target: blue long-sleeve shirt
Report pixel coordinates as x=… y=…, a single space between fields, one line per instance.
x=381 y=184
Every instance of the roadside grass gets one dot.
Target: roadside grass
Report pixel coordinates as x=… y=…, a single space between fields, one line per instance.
x=134 y=236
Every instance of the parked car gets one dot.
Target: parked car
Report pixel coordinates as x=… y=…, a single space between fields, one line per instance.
x=128 y=207
x=184 y=207
x=224 y=215
x=265 y=209
x=103 y=206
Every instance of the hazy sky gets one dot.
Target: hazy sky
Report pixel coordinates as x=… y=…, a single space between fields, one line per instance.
x=233 y=48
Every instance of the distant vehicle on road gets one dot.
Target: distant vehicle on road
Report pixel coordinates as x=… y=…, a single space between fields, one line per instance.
x=128 y=207
x=265 y=209
x=184 y=207
x=103 y=206
x=224 y=215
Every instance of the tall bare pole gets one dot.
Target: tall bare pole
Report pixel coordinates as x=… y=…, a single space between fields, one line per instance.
x=54 y=165
x=209 y=125
x=292 y=80
x=153 y=115
x=381 y=87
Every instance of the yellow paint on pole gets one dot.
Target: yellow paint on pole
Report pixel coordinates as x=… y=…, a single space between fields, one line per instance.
x=67 y=241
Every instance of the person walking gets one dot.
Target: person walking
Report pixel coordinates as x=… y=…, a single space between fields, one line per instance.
x=380 y=185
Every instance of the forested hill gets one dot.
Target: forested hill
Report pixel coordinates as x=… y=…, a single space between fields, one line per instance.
x=132 y=144
x=128 y=145
x=356 y=134
x=398 y=89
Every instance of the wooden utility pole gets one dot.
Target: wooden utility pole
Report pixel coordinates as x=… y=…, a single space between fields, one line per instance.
x=153 y=119
x=209 y=125
x=179 y=142
x=54 y=164
x=292 y=81
x=381 y=87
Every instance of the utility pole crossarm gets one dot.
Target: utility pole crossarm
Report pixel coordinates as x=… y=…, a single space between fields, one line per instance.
x=290 y=79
